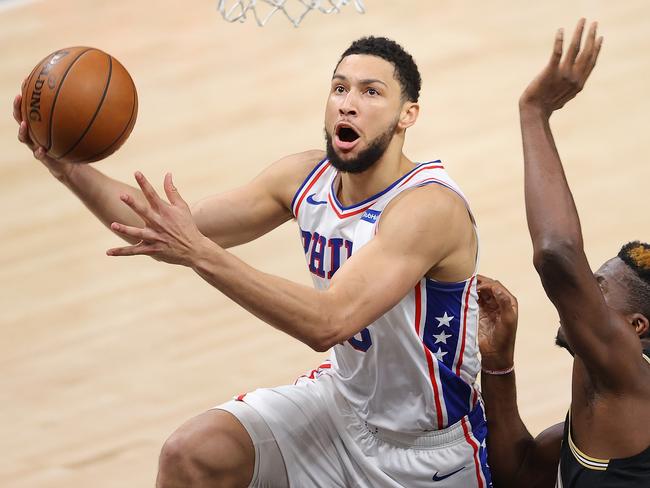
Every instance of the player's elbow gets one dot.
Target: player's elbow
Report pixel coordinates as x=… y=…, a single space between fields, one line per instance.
x=331 y=331
x=556 y=258
x=320 y=345
x=326 y=337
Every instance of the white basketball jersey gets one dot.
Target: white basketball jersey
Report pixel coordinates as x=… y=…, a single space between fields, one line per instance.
x=414 y=369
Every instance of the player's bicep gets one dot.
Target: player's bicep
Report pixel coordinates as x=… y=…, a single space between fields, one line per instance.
x=243 y=214
x=370 y=283
x=239 y=216
x=410 y=240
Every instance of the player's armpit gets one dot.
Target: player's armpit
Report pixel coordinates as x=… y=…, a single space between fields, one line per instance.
x=248 y=212
x=425 y=230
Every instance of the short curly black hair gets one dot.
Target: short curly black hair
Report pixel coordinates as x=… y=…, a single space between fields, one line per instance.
x=636 y=255
x=406 y=71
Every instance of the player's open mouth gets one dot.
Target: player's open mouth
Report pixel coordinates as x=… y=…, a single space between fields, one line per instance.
x=346 y=137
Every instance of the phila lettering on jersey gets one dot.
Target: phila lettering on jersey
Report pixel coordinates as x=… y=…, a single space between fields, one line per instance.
x=415 y=368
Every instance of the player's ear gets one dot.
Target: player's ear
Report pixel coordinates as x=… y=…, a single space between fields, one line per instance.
x=408 y=115
x=640 y=324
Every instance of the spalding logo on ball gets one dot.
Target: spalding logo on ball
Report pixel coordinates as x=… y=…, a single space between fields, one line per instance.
x=80 y=104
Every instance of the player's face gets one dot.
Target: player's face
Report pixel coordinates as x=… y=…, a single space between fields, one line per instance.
x=362 y=112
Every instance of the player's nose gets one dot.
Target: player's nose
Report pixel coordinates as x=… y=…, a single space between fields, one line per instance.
x=348 y=106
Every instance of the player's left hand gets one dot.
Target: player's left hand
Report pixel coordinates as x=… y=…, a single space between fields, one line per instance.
x=563 y=78
x=169 y=234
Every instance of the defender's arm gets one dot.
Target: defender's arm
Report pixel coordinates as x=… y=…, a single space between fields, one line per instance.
x=553 y=221
x=516 y=459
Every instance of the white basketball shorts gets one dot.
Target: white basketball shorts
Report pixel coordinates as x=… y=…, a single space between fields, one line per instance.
x=307 y=436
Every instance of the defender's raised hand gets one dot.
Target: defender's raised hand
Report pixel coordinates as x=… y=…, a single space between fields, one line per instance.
x=497 y=330
x=169 y=234
x=563 y=78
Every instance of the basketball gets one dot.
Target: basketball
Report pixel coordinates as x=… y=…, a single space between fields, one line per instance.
x=80 y=104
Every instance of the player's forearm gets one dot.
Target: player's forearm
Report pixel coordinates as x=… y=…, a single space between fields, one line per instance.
x=101 y=195
x=298 y=310
x=551 y=213
x=509 y=441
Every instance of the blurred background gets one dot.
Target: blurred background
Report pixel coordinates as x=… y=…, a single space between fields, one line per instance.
x=101 y=359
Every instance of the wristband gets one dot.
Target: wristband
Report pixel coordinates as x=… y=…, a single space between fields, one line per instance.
x=499 y=372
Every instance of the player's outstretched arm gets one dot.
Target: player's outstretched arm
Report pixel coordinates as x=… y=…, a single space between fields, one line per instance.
x=516 y=458
x=553 y=219
x=229 y=219
x=369 y=284
x=98 y=192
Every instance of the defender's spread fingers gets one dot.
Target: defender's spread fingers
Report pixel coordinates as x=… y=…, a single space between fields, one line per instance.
x=556 y=55
x=585 y=55
x=574 y=47
x=594 y=57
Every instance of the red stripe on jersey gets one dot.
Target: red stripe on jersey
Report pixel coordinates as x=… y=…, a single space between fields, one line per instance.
x=312 y=374
x=464 y=331
x=470 y=441
x=306 y=190
x=240 y=398
x=343 y=215
x=427 y=354
x=438 y=166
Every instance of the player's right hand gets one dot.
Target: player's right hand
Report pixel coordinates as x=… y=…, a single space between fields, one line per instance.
x=57 y=168
x=497 y=324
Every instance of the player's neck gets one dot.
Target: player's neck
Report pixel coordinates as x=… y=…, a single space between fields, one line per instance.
x=355 y=188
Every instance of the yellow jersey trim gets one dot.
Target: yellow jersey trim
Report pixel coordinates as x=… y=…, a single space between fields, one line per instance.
x=588 y=462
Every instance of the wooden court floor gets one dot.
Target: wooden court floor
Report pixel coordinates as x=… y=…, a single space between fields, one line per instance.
x=101 y=359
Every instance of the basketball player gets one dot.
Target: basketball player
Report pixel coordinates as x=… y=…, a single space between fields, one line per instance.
x=604 y=316
x=392 y=249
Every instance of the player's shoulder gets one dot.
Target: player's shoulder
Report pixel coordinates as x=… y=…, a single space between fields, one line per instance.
x=427 y=203
x=302 y=162
x=284 y=176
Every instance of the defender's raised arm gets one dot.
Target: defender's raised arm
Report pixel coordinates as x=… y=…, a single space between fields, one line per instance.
x=551 y=212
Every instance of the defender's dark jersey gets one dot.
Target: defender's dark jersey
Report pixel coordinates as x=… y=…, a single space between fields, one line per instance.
x=577 y=470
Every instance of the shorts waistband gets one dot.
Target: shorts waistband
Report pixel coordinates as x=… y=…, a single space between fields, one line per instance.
x=432 y=439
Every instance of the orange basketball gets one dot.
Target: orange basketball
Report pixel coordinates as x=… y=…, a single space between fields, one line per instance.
x=80 y=104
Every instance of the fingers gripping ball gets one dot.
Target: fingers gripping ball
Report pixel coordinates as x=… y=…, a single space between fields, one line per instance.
x=80 y=104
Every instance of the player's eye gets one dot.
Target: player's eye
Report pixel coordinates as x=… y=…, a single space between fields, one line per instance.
x=339 y=89
x=372 y=92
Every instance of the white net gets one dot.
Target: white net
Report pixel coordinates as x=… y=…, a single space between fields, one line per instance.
x=293 y=10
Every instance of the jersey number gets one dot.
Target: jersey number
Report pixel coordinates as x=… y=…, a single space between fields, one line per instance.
x=364 y=341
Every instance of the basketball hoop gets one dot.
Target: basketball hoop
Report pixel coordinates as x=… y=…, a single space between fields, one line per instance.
x=294 y=10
